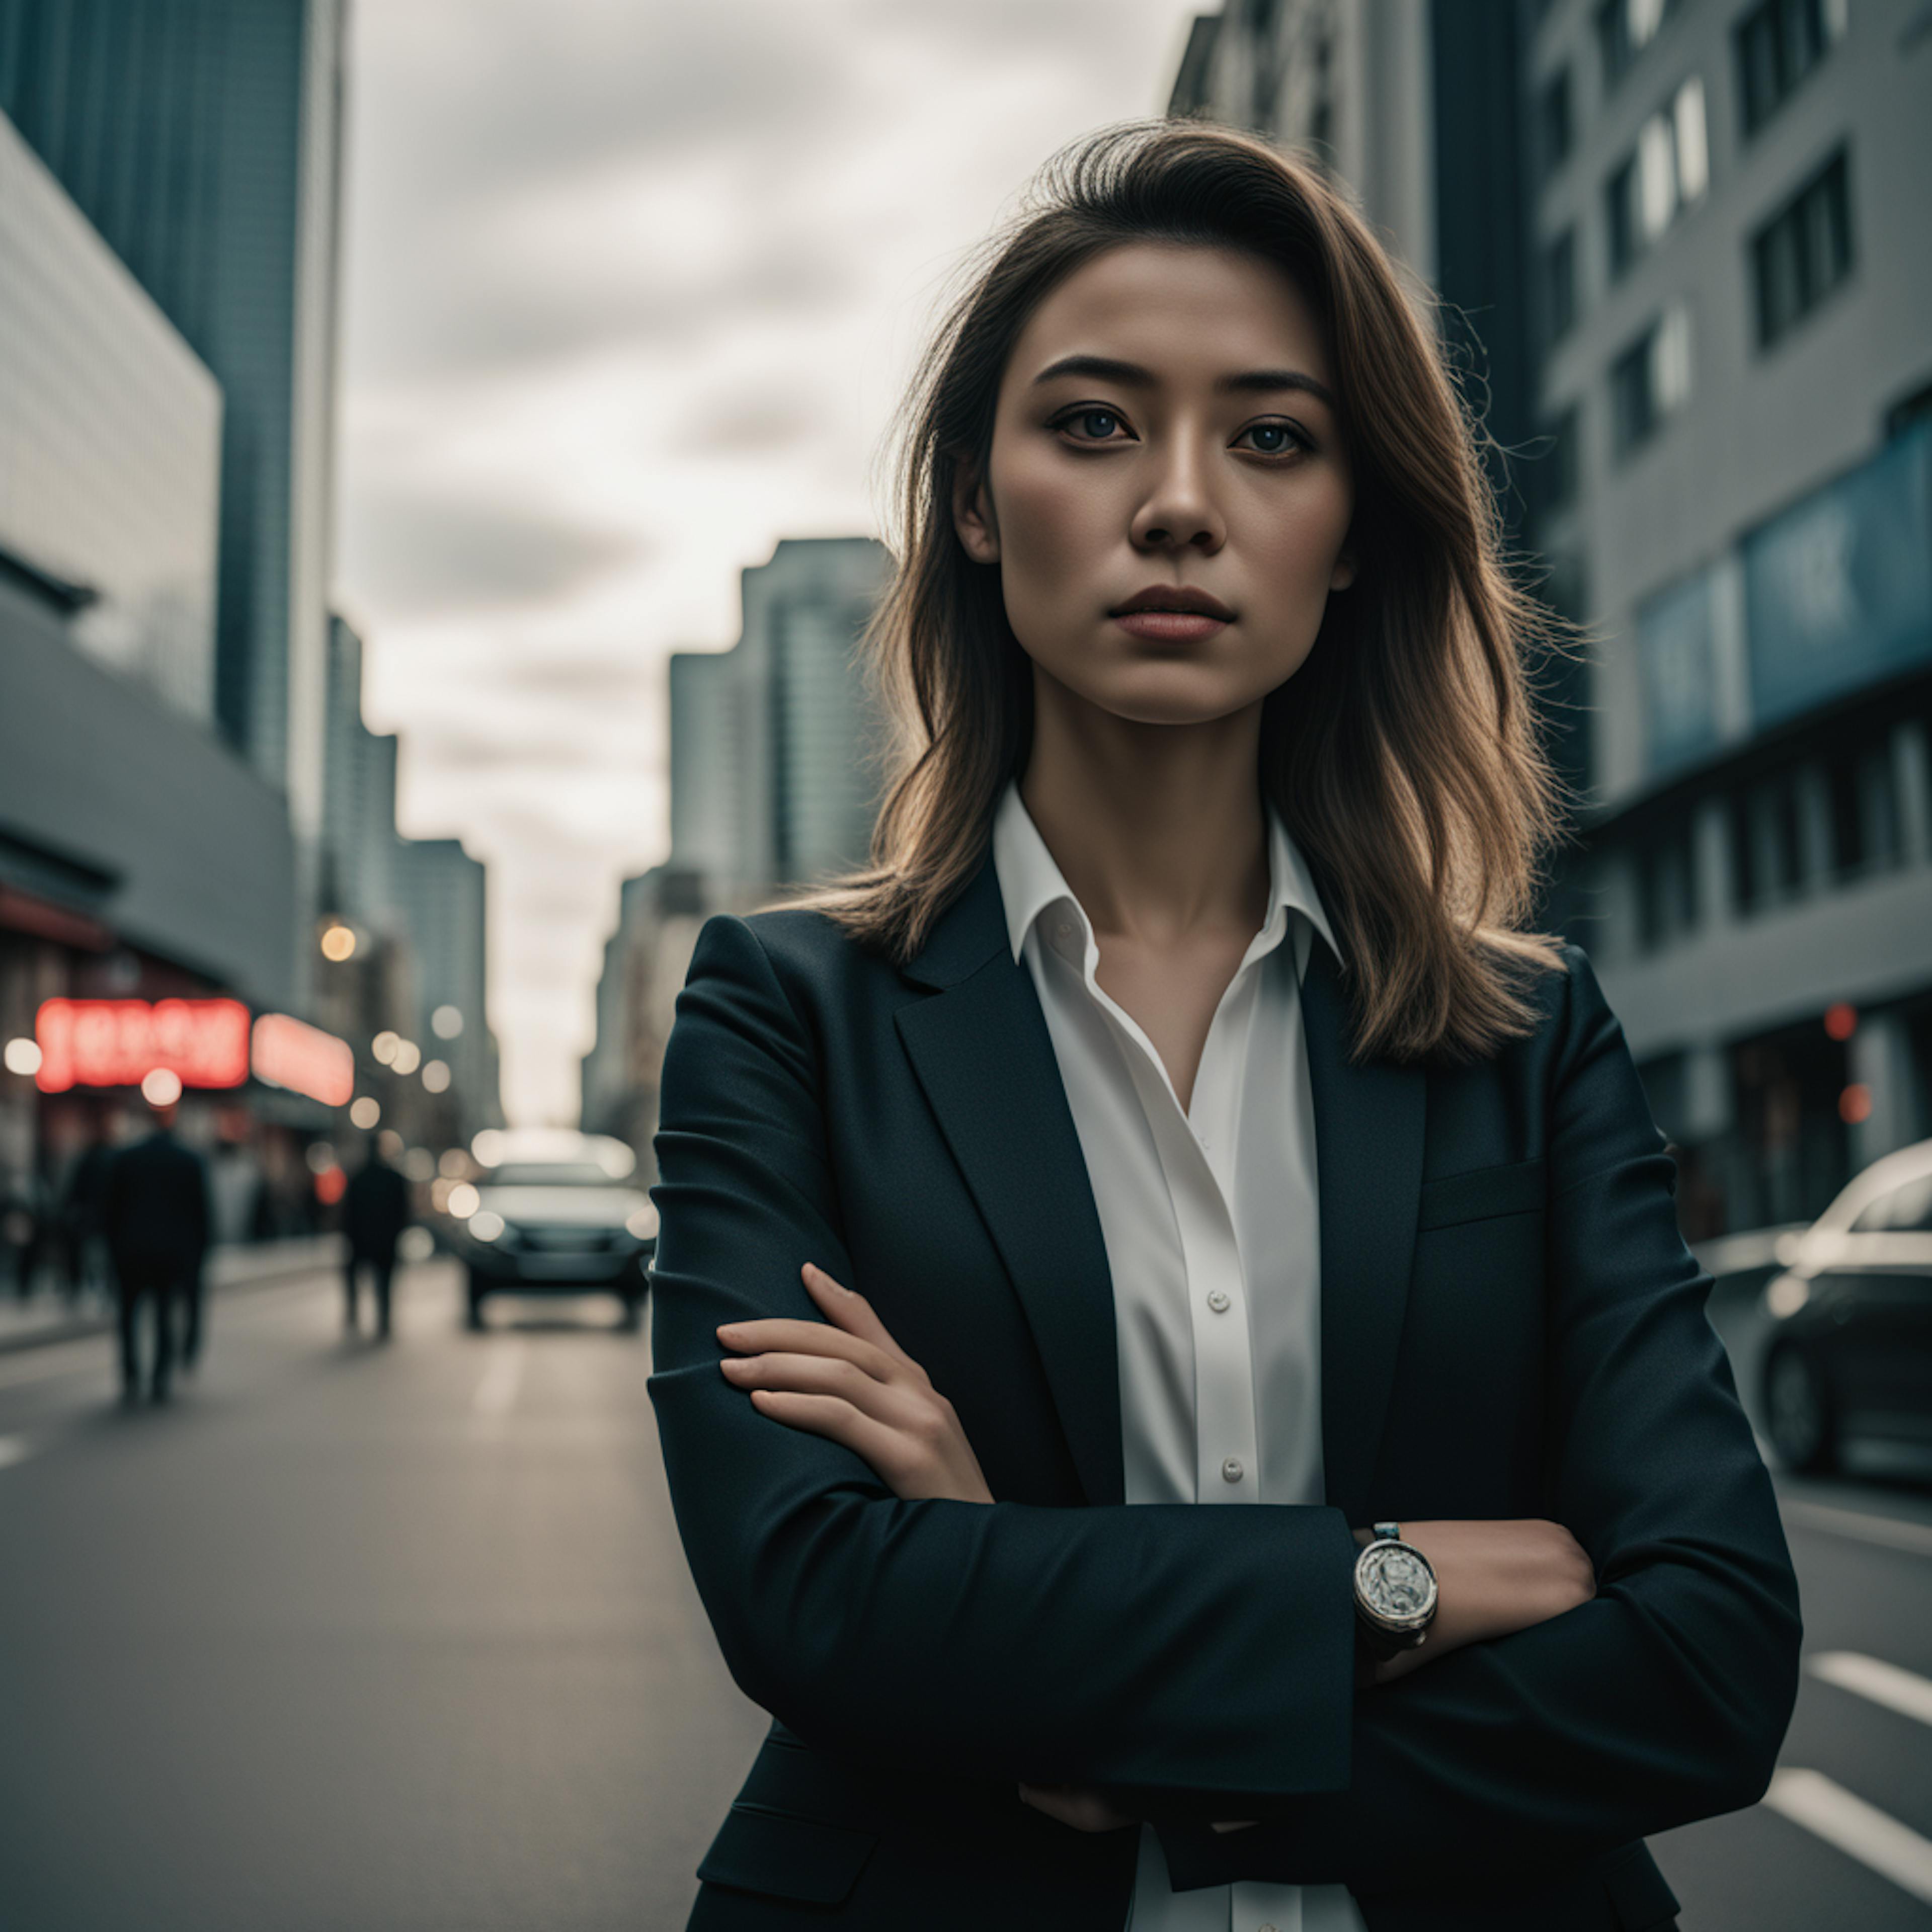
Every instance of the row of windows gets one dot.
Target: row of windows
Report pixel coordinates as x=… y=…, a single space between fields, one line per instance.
x=1776 y=44
x=1806 y=827
x=1799 y=257
x=1796 y=259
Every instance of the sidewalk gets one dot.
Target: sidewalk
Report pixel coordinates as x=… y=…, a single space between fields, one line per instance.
x=47 y=1317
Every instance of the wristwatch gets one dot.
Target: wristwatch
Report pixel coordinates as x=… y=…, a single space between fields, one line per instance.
x=1395 y=1593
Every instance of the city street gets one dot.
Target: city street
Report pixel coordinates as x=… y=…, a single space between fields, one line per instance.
x=402 y=1638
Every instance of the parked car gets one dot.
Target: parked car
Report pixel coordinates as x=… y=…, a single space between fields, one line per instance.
x=1849 y=1353
x=566 y=1220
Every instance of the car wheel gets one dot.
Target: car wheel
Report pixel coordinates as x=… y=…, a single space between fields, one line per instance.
x=1798 y=1410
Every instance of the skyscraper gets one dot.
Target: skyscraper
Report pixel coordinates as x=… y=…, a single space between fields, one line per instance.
x=203 y=140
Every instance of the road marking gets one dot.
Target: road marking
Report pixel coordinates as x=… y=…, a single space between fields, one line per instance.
x=14 y=1449
x=1888 y=1532
x=1904 y=1691
x=496 y=1393
x=1860 y=1831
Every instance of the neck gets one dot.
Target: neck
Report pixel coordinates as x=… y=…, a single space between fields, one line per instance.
x=1158 y=830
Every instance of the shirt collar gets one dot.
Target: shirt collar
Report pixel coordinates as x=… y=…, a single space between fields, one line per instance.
x=1030 y=880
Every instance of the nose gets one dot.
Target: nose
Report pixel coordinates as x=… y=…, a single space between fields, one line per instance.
x=1178 y=511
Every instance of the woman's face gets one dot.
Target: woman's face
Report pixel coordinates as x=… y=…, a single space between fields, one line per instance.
x=1166 y=424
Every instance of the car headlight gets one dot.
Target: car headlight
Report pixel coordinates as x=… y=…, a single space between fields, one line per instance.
x=485 y=1225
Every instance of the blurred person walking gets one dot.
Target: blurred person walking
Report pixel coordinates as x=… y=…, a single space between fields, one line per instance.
x=156 y=1216
x=375 y=1211
x=81 y=1209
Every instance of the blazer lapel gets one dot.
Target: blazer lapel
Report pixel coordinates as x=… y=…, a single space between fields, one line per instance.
x=1368 y=1137
x=983 y=1057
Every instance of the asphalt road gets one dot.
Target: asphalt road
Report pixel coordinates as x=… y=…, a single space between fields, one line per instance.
x=402 y=1638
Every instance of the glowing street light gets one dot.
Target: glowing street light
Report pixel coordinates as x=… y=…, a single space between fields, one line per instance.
x=338 y=942
x=161 y=1088
x=446 y=1022
x=23 y=1056
x=407 y=1057
x=365 y=1113
x=435 y=1076
x=384 y=1045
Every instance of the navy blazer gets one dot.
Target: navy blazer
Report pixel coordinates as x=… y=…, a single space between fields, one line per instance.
x=1511 y=1326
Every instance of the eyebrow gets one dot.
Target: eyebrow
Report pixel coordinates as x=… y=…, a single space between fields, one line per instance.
x=1110 y=369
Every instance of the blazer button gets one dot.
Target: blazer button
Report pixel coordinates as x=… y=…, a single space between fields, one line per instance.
x=1217 y=1299
x=1231 y=1470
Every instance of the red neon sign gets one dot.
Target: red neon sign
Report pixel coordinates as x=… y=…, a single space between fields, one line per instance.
x=119 y=1042
x=303 y=1059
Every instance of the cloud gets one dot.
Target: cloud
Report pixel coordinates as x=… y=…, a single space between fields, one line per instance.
x=409 y=553
x=632 y=290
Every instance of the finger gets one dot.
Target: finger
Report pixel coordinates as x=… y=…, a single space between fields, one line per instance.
x=838 y=1421
x=852 y=1312
x=778 y=1335
x=816 y=1375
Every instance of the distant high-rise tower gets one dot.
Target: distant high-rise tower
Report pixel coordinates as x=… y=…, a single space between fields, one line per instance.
x=203 y=139
x=772 y=780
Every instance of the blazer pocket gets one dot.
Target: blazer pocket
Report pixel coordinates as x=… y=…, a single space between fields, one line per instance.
x=785 y=1856
x=1483 y=1192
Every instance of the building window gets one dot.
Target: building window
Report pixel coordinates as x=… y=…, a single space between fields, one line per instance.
x=1779 y=42
x=1862 y=786
x=1650 y=379
x=1554 y=128
x=1625 y=28
x=1558 y=274
x=1803 y=252
x=1767 y=843
x=1666 y=886
x=1669 y=169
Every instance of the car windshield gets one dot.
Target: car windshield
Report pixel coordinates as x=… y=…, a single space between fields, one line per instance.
x=548 y=1174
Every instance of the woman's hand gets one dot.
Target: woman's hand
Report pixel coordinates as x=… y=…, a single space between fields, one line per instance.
x=1492 y=1579
x=847 y=1379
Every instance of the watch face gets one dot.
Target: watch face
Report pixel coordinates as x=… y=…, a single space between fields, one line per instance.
x=1397 y=1587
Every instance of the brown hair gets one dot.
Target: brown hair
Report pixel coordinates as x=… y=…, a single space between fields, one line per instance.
x=1402 y=756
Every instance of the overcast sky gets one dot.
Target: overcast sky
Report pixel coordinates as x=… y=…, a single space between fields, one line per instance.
x=631 y=290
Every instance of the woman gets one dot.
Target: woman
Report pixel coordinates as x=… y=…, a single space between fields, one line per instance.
x=1176 y=1114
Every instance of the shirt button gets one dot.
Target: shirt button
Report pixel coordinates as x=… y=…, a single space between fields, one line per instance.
x=1231 y=1470
x=1218 y=1301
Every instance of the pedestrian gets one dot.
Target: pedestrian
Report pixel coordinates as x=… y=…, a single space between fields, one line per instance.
x=375 y=1211
x=81 y=1209
x=1181 y=1385
x=157 y=1217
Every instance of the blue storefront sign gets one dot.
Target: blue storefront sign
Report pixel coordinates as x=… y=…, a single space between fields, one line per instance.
x=1677 y=660
x=1838 y=590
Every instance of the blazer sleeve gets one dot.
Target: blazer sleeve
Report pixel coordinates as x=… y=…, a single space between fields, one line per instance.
x=1192 y=1648
x=1666 y=1698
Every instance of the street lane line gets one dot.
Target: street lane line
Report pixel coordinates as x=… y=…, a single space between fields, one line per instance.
x=1888 y=1531
x=496 y=1393
x=14 y=1449
x=1860 y=1831
x=1904 y=1691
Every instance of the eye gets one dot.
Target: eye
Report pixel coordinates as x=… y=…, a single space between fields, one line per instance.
x=1277 y=438
x=1092 y=423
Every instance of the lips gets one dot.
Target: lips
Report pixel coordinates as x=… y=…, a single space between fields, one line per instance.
x=1178 y=598
x=1166 y=613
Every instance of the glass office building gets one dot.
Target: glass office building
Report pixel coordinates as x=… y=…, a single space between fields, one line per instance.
x=201 y=139
x=110 y=444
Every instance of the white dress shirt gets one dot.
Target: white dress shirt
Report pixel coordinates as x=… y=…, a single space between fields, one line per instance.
x=1209 y=1216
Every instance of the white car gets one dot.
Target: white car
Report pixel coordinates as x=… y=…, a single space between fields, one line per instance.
x=566 y=1218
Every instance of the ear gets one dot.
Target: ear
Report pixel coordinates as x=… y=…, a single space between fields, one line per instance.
x=1343 y=574
x=972 y=516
